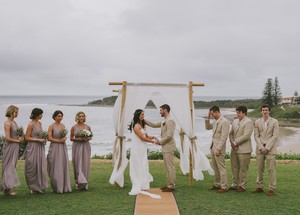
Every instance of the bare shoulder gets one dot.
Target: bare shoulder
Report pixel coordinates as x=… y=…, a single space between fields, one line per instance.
x=137 y=126
x=7 y=123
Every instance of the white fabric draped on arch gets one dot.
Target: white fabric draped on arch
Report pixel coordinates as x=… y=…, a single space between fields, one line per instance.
x=137 y=96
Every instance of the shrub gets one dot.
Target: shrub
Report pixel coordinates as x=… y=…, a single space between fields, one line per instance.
x=158 y=155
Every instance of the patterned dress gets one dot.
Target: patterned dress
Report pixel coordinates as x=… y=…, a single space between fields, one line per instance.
x=35 y=162
x=58 y=164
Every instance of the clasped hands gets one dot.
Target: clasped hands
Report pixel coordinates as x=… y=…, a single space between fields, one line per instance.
x=21 y=139
x=264 y=151
x=217 y=152
x=234 y=147
x=156 y=140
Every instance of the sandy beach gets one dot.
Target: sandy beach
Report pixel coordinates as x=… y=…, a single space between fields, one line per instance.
x=289 y=137
x=289 y=141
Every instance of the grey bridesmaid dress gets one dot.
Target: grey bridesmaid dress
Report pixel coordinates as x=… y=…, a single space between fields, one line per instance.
x=10 y=150
x=58 y=164
x=35 y=162
x=81 y=155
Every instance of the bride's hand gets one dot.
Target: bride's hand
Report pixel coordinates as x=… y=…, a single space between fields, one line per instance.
x=154 y=140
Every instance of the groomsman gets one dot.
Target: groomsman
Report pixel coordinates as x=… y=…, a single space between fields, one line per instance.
x=266 y=132
x=220 y=129
x=241 y=148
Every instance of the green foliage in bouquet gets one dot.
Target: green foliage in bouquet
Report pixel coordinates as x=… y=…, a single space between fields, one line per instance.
x=44 y=134
x=63 y=133
x=20 y=131
x=83 y=133
x=22 y=150
x=2 y=139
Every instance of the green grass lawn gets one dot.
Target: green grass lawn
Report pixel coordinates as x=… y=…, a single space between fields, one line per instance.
x=102 y=198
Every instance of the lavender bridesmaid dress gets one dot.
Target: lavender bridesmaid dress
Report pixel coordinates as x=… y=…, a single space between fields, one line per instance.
x=81 y=155
x=35 y=162
x=58 y=164
x=10 y=178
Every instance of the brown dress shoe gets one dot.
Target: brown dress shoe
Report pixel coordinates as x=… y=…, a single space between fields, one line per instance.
x=258 y=190
x=232 y=188
x=168 y=189
x=271 y=193
x=222 y=191
x=240 y=190
x=214 y=188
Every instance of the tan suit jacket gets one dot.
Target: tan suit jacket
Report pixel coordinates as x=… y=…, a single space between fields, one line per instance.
x=167 y=133
x=267 y=136
x=220 y=133
x=240 y=133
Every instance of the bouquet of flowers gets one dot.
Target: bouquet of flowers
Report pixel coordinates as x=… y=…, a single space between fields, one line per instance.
x=2 y=139
x=20 y=131
x=44 y=134
x=83 y=133
x=63 y=133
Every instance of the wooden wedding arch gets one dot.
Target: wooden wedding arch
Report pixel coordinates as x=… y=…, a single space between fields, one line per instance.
x=119 y=157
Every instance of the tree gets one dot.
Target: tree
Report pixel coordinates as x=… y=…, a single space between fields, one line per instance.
x=295 y=97
x=276 y=92
x=268 y=95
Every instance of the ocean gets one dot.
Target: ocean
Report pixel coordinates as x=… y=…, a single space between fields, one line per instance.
x=99 y=118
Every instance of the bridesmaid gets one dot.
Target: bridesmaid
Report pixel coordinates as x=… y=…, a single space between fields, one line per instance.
x=10 y=148
x=81 y=152
x=35 y=159
x=57 y=158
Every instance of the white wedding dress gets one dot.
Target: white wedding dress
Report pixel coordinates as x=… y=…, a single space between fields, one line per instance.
x=139 y=167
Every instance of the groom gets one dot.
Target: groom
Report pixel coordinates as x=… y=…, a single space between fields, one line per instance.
x=168 y=145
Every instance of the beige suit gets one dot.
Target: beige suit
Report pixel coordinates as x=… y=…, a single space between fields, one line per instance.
x=266 y=135
x=220 y=135
x=168 y=147
x=240 y=135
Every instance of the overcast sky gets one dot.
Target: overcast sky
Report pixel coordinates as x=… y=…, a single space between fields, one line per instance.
x=76 y=47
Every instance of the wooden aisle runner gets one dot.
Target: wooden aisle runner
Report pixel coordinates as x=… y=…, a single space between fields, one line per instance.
x=145 y=205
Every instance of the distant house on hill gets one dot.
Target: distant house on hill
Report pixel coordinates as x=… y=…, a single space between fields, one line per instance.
x=289 y=100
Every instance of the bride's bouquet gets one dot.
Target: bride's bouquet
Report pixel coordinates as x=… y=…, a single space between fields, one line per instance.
x=83 y=133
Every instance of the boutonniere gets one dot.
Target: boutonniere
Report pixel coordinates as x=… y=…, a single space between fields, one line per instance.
x=163 y=123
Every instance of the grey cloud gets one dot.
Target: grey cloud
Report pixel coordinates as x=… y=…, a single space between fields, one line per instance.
x=79 y=46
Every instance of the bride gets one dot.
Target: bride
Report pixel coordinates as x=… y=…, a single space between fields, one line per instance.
x=139 y=168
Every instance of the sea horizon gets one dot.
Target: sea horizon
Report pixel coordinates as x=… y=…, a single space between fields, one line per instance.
x=99 y=118
x=84 y=99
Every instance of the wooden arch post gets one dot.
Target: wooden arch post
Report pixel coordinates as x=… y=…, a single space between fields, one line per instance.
x=124 y=88
x=191 y=161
